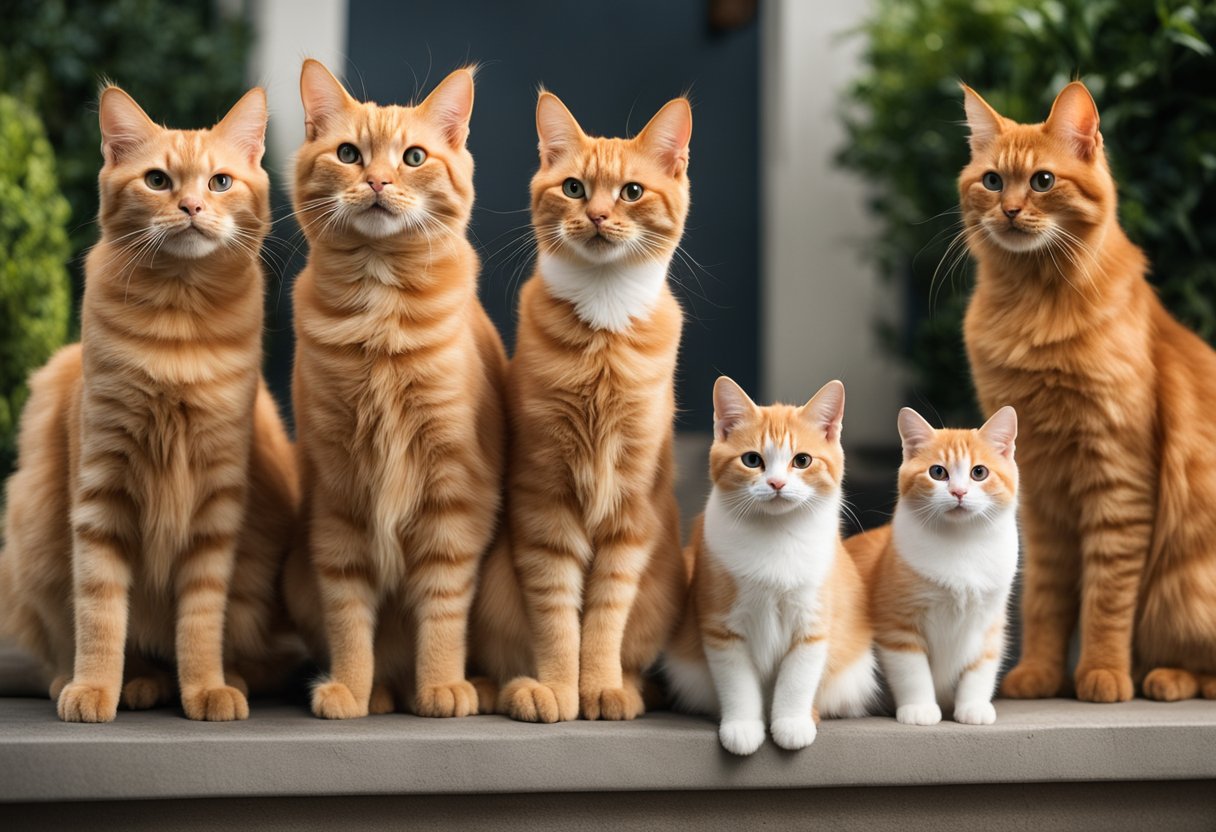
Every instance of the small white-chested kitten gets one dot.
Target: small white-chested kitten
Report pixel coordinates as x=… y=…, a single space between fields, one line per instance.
x=940 y=574
x=776 y=617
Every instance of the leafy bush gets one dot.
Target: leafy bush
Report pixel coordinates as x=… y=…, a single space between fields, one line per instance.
x=1150 y=67
x=34 y=284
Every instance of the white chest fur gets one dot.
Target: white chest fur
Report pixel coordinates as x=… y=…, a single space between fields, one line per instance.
x=605 y=296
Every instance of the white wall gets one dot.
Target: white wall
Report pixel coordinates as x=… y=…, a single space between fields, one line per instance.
x=820 y=296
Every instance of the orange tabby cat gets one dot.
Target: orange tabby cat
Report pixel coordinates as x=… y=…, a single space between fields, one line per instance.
x=583 y=601
x=398 y=399
x=1119 y=460
x=151 y=454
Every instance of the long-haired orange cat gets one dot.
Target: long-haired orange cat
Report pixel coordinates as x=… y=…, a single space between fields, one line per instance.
x=398 y=399
x=582 y=604
x=1117 y=403
x=151 y=456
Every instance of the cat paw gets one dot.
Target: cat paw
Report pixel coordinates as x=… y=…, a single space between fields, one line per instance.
x=612 y=703
x=145 y=692
x=975 y=713
x=918 y=714
x=1031 y=680
x=223 y=704
x=527 y=700
x=333 y=700
x=381 y=701
x=1169 y=684
x=79 y=702
x=453 y=699
x=487 y=694
x=1099 y=684
x=741 y=736
x=793 y=732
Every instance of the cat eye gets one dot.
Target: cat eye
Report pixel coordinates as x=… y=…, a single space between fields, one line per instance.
x=802 y=460
x=415 y=156
x=979 y=473
x=631 y=192
x=992 y=181
x=220 y=182
x=938 y=472
x=157 y=180
x=573 y=188
x=1042 y=181
x=752 y=460
x=348 y=154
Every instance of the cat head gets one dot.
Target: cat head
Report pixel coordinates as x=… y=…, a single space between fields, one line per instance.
x=383 y=172
x=1034 y=187
x=597 y=201
x=185 y=194
x=776 y=459
x=958 y=476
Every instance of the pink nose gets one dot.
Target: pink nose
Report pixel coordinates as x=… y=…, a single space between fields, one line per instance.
x=377 y=185
x=598 y=219
x=191 y=205
x=958 y=492
x=776 y=485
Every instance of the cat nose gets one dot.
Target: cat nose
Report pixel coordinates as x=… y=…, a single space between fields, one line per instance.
x=597 y=217
x=191 y=206
x=776 y=485
x=1012 y=212
x=377 y=184
x=958 y=492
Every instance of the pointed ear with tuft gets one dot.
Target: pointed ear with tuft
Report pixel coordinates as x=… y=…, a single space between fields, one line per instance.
x=984 y=122
x=556 y=128
x=1074 y=118
x=731 y=407
x=1001 y=431
x=914 y=431
x=667 y=135
x=124 y=125
x=323 y=96
x=825 y=410
x=450 y=105
x=245 y=125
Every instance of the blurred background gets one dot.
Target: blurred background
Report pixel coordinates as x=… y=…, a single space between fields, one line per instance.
x=826 y=144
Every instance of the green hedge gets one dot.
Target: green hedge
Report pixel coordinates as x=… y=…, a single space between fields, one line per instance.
x=1150 y=67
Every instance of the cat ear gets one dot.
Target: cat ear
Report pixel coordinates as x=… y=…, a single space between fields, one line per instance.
x=556 y=128
x=323 y=95
x=124 y=125
x=451 y=105
x=914 y=431
x=245 y=125
x=985 y=123
x=1074 y=118
x=825 y=410
x=731 y=407
x=667 y=135
x=1001 y=430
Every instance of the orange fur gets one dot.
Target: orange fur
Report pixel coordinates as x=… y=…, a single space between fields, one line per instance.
x=1119 y=463
x=132 y=506
x=398 y=401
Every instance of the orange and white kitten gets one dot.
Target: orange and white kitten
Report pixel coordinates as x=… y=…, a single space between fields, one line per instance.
x=155 y=485
x=573 y=613
x=940 y=574
x=1119 y=461
x=775 y=623
x=398 y=400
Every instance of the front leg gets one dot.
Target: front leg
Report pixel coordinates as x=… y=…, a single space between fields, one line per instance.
x=442 y=587
x=740 y=693
x=973 y=695
x=611 y=590
x=906 y=666
x=798 y=678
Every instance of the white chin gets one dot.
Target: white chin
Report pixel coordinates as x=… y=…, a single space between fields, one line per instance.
x=190 y=245
x=598 y=253
x=378 y=224
x=1018 y=243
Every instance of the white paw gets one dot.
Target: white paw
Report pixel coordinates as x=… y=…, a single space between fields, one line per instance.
x=975 y=713
x=919 y=714
x=793 y=732
x=741 y=736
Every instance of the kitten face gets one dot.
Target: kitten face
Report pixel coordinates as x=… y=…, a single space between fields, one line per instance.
x=777 y=459
x=958 y=476
x=1036 y=187
x=381 y=172
x=598 y=201
x=183 y=194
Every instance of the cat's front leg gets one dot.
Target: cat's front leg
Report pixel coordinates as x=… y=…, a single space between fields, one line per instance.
x=973 y=695
x=612 y=588
x=906 y=667
x=740 y=692
x=793 y=724
x=443 y=587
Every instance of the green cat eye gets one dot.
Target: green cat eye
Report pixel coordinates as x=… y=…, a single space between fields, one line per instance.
x=631 y=192
x=979 y=473
x=1042 y=181
x=157 y=180
x=802 y=460
x=415 y=156
x=992 y=181
x=939 y=472
x=220 y=182
x=348 y=154
x=573 y=188
x=752 y=460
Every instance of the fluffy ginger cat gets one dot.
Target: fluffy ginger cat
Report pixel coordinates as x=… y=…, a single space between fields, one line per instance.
x=155 y=485
x=775 y=621
x=398 y=400
x=940 y=574
x=571 y=615
x=1119 y=460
